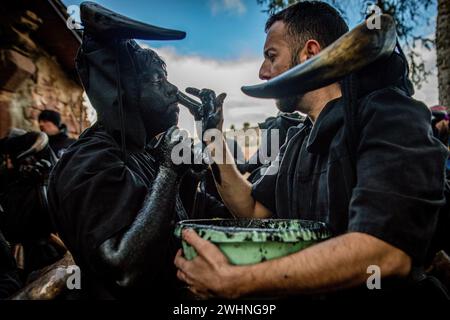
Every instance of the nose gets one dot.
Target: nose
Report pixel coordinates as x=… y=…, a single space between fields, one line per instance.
x=172 y=89
x=264 y=73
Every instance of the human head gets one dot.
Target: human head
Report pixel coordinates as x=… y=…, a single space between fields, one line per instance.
x=296 y=34
x=440 y=122
x=50 y=122
x=158 y=99
x=125 y=83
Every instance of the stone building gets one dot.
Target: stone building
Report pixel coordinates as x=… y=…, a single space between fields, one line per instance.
x=37 y=67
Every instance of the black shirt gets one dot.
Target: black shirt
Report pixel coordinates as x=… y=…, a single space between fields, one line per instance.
x=395 y=190
x=60 y=142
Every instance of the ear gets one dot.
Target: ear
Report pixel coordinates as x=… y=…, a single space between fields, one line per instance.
x=311 y=48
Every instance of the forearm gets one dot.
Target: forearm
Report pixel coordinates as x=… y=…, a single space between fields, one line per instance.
x=338 y=263
x=146 y=238
x=234 y=189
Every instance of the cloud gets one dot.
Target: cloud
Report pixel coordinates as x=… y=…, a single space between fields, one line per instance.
x=235 y=6
x=221 y=76
x=228 y=76
x=429 y=92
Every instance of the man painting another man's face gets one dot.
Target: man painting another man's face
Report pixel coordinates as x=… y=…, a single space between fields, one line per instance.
x=380 y=198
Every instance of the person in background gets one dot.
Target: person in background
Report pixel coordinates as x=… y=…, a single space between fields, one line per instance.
x=440 y=123
x=50 y=123
x=25 y=162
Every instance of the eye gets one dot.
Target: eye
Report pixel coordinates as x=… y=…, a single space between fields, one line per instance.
x=271 y=57
x=157 y=79
x=153 y=78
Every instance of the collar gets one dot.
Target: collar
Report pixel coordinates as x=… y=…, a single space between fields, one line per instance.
x=330 y=120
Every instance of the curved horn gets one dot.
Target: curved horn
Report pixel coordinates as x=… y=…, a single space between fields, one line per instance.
x=40 y=143
x=104 y=22
x=351 y=52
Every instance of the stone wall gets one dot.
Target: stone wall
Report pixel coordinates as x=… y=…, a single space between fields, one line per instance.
x=32 y=80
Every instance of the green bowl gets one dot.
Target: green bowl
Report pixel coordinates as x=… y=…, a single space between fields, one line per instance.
x=248 y=241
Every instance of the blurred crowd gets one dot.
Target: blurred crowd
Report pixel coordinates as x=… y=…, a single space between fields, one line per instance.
x=27 y=239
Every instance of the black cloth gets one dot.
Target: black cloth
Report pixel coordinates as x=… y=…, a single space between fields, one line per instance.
x=99 y=64
x=60 y=142
x=94 y=194
x=399 y=181
x=9 y=276
x=25 y=217
x=26 y=220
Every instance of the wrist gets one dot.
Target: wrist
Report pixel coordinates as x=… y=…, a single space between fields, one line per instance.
x=169 y=171
x=239 y=282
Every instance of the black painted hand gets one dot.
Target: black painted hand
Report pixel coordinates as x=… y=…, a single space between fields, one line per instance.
x=171 y=150
x=209 y=111
x=35 y=169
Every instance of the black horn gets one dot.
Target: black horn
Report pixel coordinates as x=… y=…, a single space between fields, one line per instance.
x=39 y=144
x=104 y=22
x=350 y=53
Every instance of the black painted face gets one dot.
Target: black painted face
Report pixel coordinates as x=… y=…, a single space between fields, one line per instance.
x=158 y=101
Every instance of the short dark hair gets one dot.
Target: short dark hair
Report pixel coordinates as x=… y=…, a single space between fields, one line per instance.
x=52 y=116
x=310 y=20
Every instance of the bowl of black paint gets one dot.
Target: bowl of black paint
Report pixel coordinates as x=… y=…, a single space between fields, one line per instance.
x=248 y=241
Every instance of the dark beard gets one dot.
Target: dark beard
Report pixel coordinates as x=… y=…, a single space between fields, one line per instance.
x=290 y=104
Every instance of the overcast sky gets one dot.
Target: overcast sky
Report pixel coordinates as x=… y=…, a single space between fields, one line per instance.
x=222 y=50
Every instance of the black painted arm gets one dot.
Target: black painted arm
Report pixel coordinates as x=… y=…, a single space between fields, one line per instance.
x=140 y=249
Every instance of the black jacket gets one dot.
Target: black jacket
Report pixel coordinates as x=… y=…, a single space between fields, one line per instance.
x=60 y=142
x=396 y=190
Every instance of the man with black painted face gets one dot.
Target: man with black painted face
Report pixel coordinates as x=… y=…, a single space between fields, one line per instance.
x=114 y=194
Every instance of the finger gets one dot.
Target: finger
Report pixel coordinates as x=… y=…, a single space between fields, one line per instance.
x=208 y=93
x=170 y=131
x=183 y=277
x=200 y=294
x=171 y=135
x=46 y=162
x=217 y=116
x=221 y=97
x=193 y=91
x=219 y=109
x=203 y=247
x=180 y=261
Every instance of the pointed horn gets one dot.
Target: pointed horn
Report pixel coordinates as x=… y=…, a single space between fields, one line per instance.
x=350 y=53
x=40 y=143
x=101 y=21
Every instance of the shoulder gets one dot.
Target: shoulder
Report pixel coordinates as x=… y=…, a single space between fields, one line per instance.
x=394 y=105
x=93 y=154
